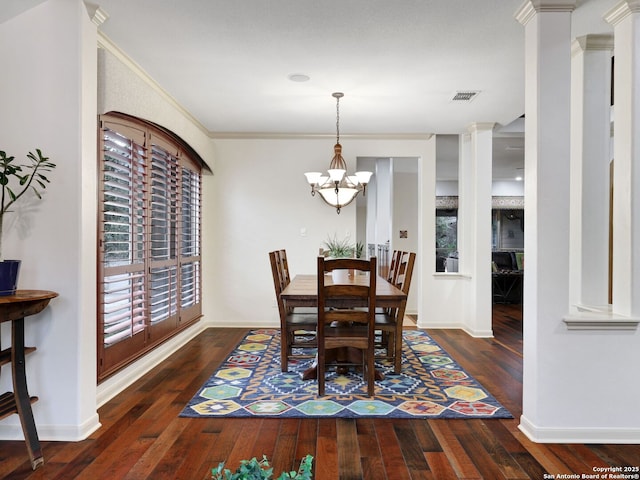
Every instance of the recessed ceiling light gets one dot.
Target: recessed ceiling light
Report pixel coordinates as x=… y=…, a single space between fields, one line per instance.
x=299 y=77
x=518 y=179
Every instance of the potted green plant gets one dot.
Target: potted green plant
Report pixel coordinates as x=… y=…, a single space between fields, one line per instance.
x=338 y=248
x=16 y=180
x=257 y=470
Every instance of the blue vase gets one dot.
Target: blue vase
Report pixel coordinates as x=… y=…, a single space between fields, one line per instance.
x=9 y=270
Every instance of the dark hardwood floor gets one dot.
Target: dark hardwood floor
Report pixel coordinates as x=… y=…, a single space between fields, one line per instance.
x=143 y=437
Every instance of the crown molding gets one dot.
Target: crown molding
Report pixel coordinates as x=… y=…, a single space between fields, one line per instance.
x=554 y=5
x=525 y=13
x=314 y=136
x=621 y=11
x=480 y=126
x=592 y=42
x=530 y=7
x=97 y=15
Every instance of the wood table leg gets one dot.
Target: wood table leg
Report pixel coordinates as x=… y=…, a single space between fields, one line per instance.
x=22 y=399
x=397 y=355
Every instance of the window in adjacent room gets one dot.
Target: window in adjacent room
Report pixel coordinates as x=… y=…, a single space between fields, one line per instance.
x=447 y=176
x=446 y=240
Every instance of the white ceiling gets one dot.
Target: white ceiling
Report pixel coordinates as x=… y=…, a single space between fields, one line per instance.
x=398 y=63
x=11 y=8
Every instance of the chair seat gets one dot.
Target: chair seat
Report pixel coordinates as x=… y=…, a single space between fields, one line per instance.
x=351 y=331
x=306 y=311
x=302 y=319
x=384 y=319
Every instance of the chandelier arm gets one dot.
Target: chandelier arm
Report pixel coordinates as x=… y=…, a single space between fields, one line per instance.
x=344 y=187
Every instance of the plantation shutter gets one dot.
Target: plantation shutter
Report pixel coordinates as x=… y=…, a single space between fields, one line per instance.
x=122 y=240
x=149 y=241
x=164 y=230
x=190 y=240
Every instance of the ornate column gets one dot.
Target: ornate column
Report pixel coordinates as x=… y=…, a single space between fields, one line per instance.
x=474 y=220
x=590 y=160
x=546 y=239
x=625 y=18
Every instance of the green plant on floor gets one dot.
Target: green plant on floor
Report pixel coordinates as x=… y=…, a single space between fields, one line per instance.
x=359 y=249
x=257 y=470
x=339 y=248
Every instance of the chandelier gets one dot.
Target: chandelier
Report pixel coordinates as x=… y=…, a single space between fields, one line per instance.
x=337 y=188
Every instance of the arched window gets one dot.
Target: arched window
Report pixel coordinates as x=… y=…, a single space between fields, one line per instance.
x=149 y=265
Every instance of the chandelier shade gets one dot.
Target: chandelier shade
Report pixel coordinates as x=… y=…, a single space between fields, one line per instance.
x=337 y=188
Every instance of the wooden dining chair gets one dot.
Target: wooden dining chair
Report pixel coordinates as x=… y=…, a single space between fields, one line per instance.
x=391 y=278
x=346 y=315
x=392 y=273
x=297 y=326
x=389 y=321
x=283 y=267
x=393 y=266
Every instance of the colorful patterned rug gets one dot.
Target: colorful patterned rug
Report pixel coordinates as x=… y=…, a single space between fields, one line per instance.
x=431 y=385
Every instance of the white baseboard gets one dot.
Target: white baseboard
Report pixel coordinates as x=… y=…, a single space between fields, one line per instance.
x=59 y=433
x=578 y=435
x=479 y=333
x=442 y=326
x=456 y=326
x=244 y=324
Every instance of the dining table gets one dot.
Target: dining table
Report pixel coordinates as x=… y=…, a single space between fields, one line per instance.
x=302 y=291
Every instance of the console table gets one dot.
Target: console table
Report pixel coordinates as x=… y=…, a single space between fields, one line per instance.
x=14 y=309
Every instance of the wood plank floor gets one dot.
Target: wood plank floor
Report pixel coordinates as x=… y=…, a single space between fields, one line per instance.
x=143 y=437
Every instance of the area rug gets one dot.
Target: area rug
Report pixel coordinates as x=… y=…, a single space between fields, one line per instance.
x=250 y=383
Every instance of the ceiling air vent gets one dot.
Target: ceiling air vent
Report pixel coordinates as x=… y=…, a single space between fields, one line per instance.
x=464 y=96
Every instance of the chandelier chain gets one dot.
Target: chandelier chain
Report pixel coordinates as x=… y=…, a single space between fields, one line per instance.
x=337 y=119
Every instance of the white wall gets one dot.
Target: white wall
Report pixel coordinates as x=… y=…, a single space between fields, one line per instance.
x=261 y=202
x=499 y=188
x=48 y=101
x=507 y=188
x=405 y=217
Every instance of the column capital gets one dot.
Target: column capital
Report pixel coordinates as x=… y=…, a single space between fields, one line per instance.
x=530 y=7
x=97 y=15
x=604 y=41
x=480 y=126
x=621 y=11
